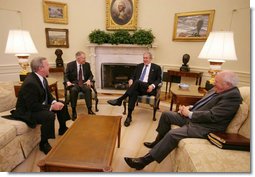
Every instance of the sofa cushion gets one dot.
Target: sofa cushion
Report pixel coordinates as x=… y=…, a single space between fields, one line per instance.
x=7 y=96
x=20 y=127
x=7 y=133
x=239 y=119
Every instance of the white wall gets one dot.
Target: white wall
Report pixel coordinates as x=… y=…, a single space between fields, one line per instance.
x=158 y=15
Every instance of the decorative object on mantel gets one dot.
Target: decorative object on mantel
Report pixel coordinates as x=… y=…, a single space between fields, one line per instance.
x=185 y=60
x=59 y=60
x=139 y=37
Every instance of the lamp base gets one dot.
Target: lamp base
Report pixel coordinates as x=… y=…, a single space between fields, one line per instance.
x=22 y=77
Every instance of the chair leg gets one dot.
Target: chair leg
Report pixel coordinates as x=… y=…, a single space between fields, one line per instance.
x=96 y=108
x=154 y=113
x=125 y=107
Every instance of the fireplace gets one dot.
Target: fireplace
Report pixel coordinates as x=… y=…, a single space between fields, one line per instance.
x=122 y=57
x=116 y=75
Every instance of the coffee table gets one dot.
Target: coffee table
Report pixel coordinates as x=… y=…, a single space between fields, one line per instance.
x=87 y=146
x=185 y=96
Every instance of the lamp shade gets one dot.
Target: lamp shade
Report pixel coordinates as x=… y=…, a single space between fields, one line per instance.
x=219 y=47
x=20 y=42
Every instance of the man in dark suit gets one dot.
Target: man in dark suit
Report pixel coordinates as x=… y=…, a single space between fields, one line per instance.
x=212 y=113
x=78 y=77
x=144 y=81
x=36 y=105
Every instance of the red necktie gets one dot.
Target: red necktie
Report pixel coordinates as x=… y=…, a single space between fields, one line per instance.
x=80 y=77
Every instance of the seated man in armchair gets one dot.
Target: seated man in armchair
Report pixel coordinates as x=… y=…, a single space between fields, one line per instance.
x=78 y=77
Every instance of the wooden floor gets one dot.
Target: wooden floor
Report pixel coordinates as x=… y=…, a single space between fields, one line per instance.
x=142 y=129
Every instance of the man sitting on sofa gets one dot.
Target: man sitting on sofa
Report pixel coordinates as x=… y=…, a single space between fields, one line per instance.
x=36 y=105
x=212 y=113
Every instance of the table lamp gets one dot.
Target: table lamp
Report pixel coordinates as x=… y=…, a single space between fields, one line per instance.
x=218 y=48
x=20 y=43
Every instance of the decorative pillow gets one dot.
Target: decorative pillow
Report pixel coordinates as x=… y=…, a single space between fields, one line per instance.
x=239 y=119
x=7 y=96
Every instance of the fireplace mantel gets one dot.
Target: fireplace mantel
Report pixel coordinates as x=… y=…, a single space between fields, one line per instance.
x=107 y=53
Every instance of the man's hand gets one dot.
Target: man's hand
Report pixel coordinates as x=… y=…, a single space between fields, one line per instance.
x=184 y=110
x=56 y=106
x=69 y=83
x=150 y=88
x=88 y=83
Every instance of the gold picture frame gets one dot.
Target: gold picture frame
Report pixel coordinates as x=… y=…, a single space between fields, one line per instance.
x=57 y=37
x=193 y=26
x=55 y=12
x=121 y=14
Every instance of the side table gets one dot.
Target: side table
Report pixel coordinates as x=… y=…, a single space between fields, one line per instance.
x=52 y=85
x=185 y=96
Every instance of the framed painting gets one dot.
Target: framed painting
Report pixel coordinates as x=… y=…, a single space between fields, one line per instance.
x=193 y=26
x=121 y=14
x=55 y=12
x=56 y=37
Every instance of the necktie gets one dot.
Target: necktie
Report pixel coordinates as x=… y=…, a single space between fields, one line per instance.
x=45 y=89
x=143 y=73
x=80 y=82
x=203 y=101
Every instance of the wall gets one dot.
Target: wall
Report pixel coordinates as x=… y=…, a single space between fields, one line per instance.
x=158 y=15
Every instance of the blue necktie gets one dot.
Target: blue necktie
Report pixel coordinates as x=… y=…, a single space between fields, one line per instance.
x=46 y=93
x=143 y=73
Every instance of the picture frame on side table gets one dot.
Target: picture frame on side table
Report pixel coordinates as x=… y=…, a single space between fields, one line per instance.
x=55 y=12
x=121 y=14
x=193 y=26
x=57 y=37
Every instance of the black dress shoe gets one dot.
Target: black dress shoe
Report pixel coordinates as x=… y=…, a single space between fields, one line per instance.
x=45 y=147
x=114 y=102
x=139 y=163
x=74 y=116
x=61 y=131
x=91 y=112
x=150 y=144
x=127 y=121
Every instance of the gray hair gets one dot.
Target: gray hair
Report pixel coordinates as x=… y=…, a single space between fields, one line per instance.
x=36 y=63
x=229 y=77
x=148 y=53
x=79 y=53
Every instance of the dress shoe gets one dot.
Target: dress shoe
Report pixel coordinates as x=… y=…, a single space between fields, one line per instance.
x=45 y=147
x=74 y=115
x=91 y=112
x=152 y=144
x=127 y=121
x=61 y=131
x=115 y=102
x=139 y=163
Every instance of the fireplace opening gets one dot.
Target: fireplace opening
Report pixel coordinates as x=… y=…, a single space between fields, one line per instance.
x=116 y=75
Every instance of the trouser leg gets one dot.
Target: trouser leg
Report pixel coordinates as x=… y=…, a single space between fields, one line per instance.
x=74 y=96
x=88 y=96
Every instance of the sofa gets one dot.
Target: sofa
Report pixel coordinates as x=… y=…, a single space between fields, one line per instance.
x=17 y=140
x=199 y=155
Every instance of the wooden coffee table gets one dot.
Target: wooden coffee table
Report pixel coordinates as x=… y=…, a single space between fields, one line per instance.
x=87 y=146
x=185 y=96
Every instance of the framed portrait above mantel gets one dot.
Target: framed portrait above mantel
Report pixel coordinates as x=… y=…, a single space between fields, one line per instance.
x=55 y=12
x=57 y=38
x=193 y=26
x=121 y=14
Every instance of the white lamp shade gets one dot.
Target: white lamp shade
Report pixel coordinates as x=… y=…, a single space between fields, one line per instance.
x=219 y=47
x=20 y=42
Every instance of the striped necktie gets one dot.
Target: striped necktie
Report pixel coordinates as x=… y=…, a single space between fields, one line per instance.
x=143 y=73
x=80 y=82
x=45 y=89
x=203 y=101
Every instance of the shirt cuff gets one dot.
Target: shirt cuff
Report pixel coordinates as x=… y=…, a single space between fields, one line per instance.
x=190 y=115
x=153 y=86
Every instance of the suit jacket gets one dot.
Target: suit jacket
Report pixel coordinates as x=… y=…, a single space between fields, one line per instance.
x=217 y=113
x=71 y=72
x=31 y=96
x=154 y=74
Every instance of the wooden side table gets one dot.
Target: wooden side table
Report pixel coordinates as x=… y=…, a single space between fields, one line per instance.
x=173 y=73
x=185 y=96
x=52 y=85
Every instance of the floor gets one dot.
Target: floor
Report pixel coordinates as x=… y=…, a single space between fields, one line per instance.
x=142 y=129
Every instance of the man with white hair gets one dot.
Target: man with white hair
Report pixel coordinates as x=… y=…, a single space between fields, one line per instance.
x=212 y=113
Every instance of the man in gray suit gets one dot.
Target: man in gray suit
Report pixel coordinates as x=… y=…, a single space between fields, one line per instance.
x=210 y=114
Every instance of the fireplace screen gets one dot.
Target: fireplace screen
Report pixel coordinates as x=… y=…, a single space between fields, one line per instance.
x=116 y=75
